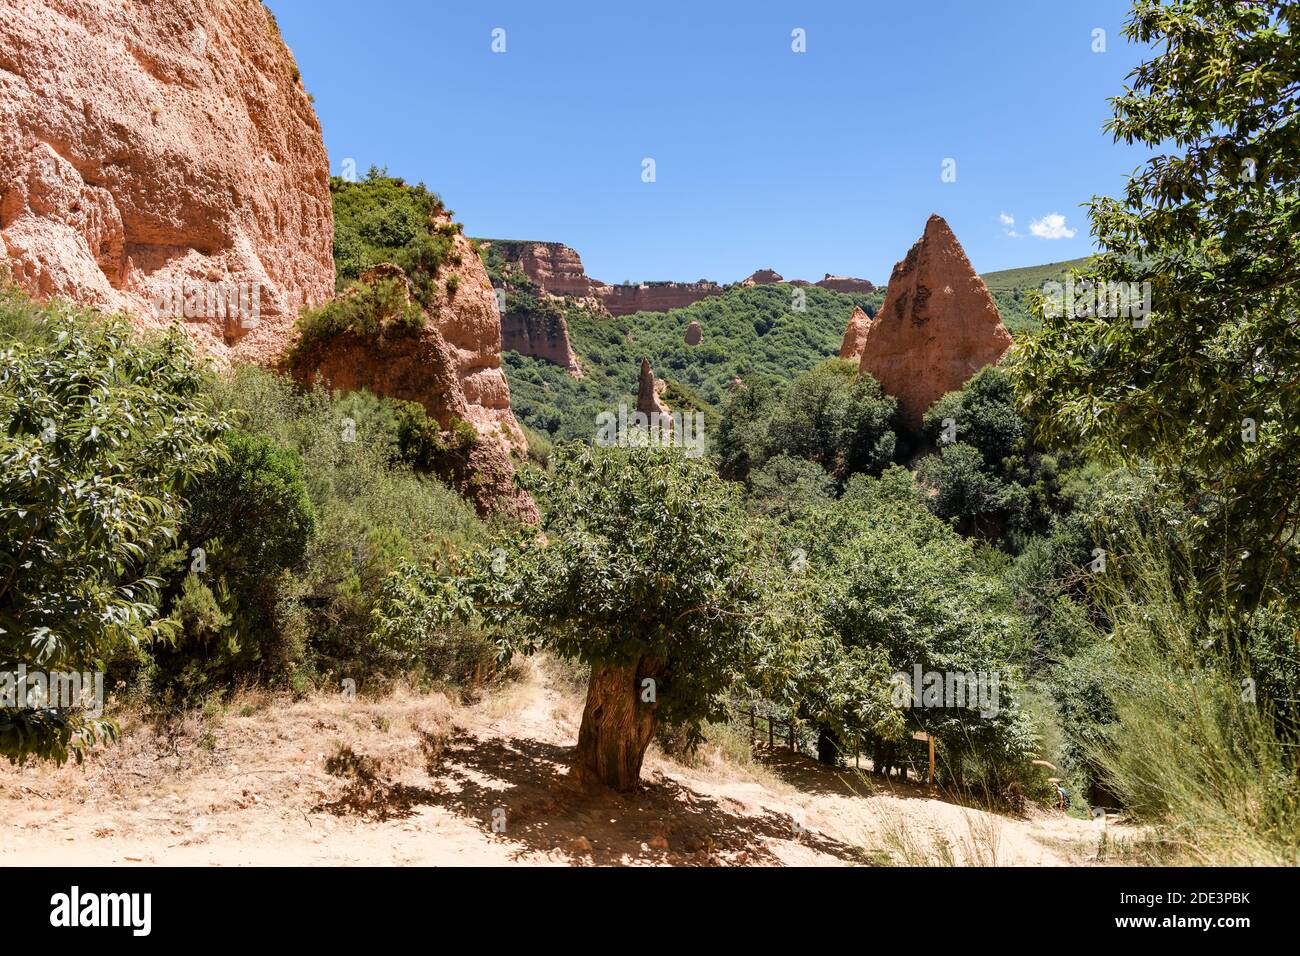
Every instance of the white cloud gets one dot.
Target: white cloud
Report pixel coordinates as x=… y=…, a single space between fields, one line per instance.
x=1007 y=220
x=1052 y=226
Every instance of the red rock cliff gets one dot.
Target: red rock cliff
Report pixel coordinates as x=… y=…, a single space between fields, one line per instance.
x=450 y=365
x=159 y=151
x=938 y=325
x=654 y=296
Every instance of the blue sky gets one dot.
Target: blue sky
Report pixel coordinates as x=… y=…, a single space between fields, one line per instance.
x=828 y=160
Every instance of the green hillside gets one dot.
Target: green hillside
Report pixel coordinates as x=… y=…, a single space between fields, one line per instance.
x=1008 y=288
x=747 y=331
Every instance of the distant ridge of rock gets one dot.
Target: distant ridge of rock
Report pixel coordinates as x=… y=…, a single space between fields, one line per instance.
x=558 y=270
x=845 y=284
x=855 y=334
x=654 y=296
x=937 y=327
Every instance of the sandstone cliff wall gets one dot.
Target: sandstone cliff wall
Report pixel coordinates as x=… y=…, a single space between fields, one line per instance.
x=161 y=157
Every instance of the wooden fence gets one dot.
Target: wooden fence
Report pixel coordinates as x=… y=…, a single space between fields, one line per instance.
x=787 y=737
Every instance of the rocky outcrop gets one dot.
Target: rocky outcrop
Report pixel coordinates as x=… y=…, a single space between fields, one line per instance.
x=161 y=158
x=937 y=326
x=762 y=277
x=649 y=398
x=466 y=314
x=450 y=365
x=855 y=335
x=694 y=334
x=552 y=265
x=846 y=284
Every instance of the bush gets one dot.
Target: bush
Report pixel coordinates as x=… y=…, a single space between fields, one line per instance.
x=246 y=523
x=1193 y=748
x=383 y=219
x=374 y=511
x=100 y=432
x=368 y=310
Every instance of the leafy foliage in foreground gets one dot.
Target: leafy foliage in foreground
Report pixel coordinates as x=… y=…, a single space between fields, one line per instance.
x=1207 y=389
x=100 y=433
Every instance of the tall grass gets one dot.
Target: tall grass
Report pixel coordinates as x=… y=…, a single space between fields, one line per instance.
x=1193 y=752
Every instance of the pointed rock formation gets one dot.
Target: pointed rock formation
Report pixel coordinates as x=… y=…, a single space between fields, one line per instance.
x=156 y=158
x=937 y=326
x=694 y=334
x=648 y=399
x=855 y=335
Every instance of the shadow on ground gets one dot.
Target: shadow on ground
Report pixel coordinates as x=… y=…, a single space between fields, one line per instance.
x=544 y=812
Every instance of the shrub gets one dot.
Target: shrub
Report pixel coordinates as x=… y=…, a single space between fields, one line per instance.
x=246 y=523
x=99 y=434
x=368 y=310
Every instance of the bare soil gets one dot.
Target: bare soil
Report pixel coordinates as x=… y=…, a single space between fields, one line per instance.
x=416 y=779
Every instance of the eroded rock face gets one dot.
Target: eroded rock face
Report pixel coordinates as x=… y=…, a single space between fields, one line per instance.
x=694 y=334
x=937 y=326
x=648 y=394
x=470 y=322
x=855 y=334
x=161 y=157
x=552 y=265
x=545 y=337
x=451 y=378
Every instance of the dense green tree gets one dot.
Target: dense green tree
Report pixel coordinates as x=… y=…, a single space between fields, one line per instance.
x=828 y=416
x=247 y=523
x=905 y=584
x=786 y=486
x=100 y=433
x=1205 y=385
x=644 y=568
x=742 y=443
x=990 y=476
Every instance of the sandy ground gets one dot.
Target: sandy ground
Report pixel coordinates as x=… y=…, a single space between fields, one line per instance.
x=434 y=783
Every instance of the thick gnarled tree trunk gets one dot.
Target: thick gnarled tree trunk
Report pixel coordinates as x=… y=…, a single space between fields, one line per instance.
x=616 y=727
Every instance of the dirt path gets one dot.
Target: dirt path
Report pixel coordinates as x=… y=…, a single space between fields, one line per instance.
x=432 y=783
